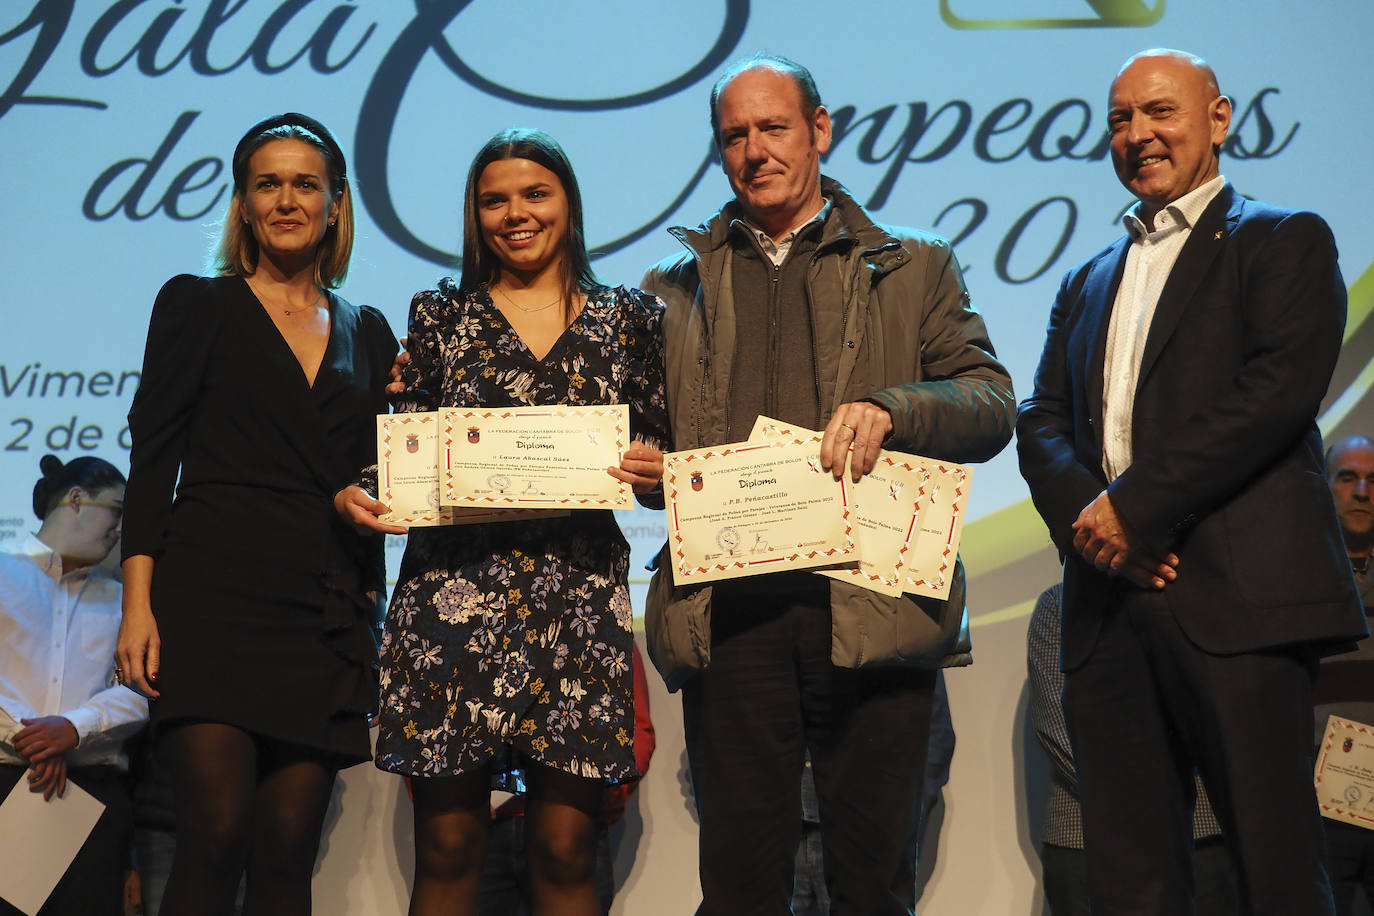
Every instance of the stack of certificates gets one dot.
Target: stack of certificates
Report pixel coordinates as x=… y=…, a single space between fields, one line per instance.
x=735 y=510
x=463 y=465
x=767 y=504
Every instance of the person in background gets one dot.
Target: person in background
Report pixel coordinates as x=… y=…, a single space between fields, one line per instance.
x=506 y=877
x=506 y=658
x=63 y=718
x=248 y=604
x=1345 y=683
x=1063 y=865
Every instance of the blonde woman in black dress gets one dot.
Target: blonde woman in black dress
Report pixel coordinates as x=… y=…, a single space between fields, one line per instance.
x=247 y=605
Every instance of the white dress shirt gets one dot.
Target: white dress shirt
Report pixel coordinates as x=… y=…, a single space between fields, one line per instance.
x=57 y=642
x=1149 y=261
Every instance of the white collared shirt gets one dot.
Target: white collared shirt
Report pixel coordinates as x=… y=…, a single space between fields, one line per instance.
x=1149 y=261
x=57 y=642
x=777 y=251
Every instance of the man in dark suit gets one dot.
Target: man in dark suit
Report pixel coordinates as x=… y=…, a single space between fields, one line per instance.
x=1171 y=447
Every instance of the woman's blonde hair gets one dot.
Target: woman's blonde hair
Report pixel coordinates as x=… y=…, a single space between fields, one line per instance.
x=236 y=253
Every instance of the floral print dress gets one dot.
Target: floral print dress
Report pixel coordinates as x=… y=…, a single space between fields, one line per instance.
x=514 y=638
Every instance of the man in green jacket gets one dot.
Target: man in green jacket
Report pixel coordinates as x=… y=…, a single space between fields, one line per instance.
x=792 y=303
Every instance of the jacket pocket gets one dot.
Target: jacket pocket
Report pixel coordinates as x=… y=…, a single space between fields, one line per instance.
x=677 y=626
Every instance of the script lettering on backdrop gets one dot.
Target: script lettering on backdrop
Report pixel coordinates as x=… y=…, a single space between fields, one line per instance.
x=218 y=37
x=134 y=33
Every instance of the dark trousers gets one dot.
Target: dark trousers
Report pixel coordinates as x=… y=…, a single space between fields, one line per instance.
x=771 y=694
x=94 y=883
x=1064 y=872
x=1145 y=709
x=1350 y=851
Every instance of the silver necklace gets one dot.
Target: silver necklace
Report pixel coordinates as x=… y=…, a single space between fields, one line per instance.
x=522 y=308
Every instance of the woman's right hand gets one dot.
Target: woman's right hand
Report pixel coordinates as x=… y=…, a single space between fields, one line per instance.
x=138 y=650
x=360 y=510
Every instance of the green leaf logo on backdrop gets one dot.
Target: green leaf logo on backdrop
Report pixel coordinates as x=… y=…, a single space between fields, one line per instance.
x=1105 y=14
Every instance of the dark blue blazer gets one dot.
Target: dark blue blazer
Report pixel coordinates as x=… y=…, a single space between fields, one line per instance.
x=1227 y=465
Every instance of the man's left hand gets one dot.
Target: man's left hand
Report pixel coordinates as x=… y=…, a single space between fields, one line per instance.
x=860 y=425
x=45 y=738
x=49 y=777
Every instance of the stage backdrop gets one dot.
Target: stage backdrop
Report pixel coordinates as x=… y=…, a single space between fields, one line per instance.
x=981 y=119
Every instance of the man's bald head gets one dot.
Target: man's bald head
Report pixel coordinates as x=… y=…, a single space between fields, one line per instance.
x=1201 y=68
x=1168 y=120
x=1350 y=473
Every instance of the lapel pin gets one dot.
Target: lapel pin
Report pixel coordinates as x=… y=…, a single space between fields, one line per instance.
x=1217 y=237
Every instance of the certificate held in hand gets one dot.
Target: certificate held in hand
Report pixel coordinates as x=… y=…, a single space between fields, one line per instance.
x=408 y=477
x=754 y=507
x=534 y=457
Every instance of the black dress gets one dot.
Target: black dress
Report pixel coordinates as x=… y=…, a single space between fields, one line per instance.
x=514 y=639
x=258 y=588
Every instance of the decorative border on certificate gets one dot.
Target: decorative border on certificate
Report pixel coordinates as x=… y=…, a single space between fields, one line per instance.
x=1344 y=773
x=885 y=554
x=569 y=449
x=409 y=485
x=931 y=548
x=802 y=520
x=405 y=481
x=937 y=547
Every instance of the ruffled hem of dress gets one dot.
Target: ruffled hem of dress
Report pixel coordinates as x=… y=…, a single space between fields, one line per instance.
x=345 y=630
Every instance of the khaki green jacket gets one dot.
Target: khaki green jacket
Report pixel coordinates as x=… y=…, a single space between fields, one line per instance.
x=893 y=325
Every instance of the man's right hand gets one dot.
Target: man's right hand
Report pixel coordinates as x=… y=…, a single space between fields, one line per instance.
x=1146 y=571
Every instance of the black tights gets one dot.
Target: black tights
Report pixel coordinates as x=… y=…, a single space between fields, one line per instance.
x=242 y=801
x=451 y=819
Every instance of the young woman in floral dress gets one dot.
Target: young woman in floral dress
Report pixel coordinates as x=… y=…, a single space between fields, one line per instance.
x=506 y=659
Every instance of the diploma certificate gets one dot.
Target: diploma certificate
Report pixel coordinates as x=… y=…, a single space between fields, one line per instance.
x=534 y=457
x=889 y=503
x=931 y=570
x=754 y=507
x=886 y=505
x=909 y=515
x=408 y=477
x=1344 y=775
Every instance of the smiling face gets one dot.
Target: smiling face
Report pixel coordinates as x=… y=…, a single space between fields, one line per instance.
x=287 y=201
x=770 y=148
x=1351 y=475
x=522 y=210
x=1166 y=118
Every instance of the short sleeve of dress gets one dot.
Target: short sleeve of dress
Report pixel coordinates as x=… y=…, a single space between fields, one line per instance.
x=642 y=339
x=181 y=332
x=379 y=342
x=423 y=376
x=642 y=331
